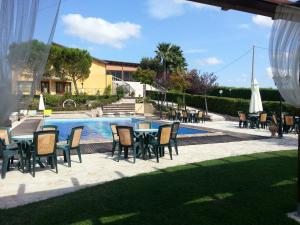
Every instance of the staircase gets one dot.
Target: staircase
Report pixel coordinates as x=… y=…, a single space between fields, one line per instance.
x=125 y=106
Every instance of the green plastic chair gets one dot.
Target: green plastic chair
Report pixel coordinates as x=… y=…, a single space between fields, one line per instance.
x=161 y=140
x=174 y=132
x=73 y=143
x=8 y=149
x=115 y=136
x=126 y=141
x=44 y=145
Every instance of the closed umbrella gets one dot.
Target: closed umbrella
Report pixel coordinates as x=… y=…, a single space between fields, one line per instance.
x=41 y=103
x=255 y=103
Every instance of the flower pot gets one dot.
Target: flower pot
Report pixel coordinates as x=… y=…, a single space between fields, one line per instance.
x=273 y=129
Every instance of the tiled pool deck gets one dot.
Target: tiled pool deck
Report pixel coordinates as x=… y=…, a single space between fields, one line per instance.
x=18 y=188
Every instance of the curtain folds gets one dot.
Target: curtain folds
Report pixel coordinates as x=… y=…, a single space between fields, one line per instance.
x=27 y=29
x=284 y=53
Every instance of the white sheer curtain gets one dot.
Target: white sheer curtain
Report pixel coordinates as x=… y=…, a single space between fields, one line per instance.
x=27 y=29
x=284 y=53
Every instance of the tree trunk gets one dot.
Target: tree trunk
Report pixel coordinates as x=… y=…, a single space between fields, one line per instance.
x=205 y=99
x=75 y=85
x=165 y=71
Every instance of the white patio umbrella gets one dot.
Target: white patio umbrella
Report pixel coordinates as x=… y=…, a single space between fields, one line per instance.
x=255 y=103
x=41 y=103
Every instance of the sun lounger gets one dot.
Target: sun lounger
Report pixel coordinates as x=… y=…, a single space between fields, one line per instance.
x=47 y=112
x=32 y=113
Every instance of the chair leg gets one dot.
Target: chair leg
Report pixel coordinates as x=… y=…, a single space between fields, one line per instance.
x=4 y=167
x=33 y=166
x=176 y=146
x=170 y=151
x=79 y=154
x=134 y=154
x=68 y=157
x=54 y=159
x=119 y=153
x=156 y=153
x=113 y=148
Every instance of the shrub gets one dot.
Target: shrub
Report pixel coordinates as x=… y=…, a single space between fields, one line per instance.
x=223 y=105
x=120 y=92
x=107 y=91
x=267 y=94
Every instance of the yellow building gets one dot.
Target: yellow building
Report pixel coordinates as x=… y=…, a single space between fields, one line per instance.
x=102 y=74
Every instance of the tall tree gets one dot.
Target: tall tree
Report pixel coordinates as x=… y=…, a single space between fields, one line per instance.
x=171 y=57
x=163 y=54
x=31 y=56
x=207 y=82
x=75 y=65
x=151 y=64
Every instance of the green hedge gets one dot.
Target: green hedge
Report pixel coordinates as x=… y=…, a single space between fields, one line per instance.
x=267 y=94
x=223 y=105
x=83 y=102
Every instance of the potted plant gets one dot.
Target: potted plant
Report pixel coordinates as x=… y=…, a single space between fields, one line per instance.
x=273 y=129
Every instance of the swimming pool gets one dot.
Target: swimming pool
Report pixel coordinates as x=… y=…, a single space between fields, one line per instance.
x=98 y=129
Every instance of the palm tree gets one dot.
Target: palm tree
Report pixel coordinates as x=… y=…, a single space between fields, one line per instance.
x=171 y=57
x=163 y=54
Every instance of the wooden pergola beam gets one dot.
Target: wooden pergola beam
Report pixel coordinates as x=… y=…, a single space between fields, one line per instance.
x=259 y=7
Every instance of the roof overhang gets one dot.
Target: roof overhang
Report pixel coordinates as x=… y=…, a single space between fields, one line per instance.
x=260 y=7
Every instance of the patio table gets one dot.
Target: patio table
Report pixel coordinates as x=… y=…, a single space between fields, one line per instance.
x=143 y=135
x=253 y=120
x=23 y=141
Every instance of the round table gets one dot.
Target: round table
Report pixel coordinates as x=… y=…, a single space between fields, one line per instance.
x=144 y=138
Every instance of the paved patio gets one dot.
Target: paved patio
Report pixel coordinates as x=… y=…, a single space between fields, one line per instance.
x=18 y=188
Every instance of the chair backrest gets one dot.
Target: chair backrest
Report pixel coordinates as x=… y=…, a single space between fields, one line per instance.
x=75 y=136
x=45 y=142
x=274 y=119
x=263 y=117
x=242 y=117
x=174 y=130
x=289 y=120
x=164 y=134
x=5 y=135
x=200 y=114
x=114 y=131
x=184 y=113
x=144 y=125
x=49 y=127
x=125 y=134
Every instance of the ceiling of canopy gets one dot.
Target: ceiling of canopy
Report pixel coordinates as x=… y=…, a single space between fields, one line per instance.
x=260 y=7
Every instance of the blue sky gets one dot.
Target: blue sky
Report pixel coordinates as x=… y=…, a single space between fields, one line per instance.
x=128 y=30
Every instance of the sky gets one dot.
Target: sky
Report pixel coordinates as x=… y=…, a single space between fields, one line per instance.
x=212 y=40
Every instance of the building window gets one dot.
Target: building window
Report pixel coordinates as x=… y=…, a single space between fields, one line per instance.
x=24 y=87
x=115 y=73
x=63 y=87
x=128 y=76
x=45 y=87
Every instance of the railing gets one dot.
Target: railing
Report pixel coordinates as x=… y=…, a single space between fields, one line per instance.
x=122 y=83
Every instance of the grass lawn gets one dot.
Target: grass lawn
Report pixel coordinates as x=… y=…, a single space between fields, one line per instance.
x=249 y=190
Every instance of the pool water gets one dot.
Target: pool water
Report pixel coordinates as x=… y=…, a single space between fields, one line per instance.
x=98 y=128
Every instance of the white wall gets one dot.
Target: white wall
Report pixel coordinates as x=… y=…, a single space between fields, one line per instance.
x=138 y=88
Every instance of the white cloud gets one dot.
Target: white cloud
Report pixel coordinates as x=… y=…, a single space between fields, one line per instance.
x=244 y=26
x=262 y=21
x=195 y=50
x=269 y=72
x=209 y=61
x=162 y=9
x=100 y=31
